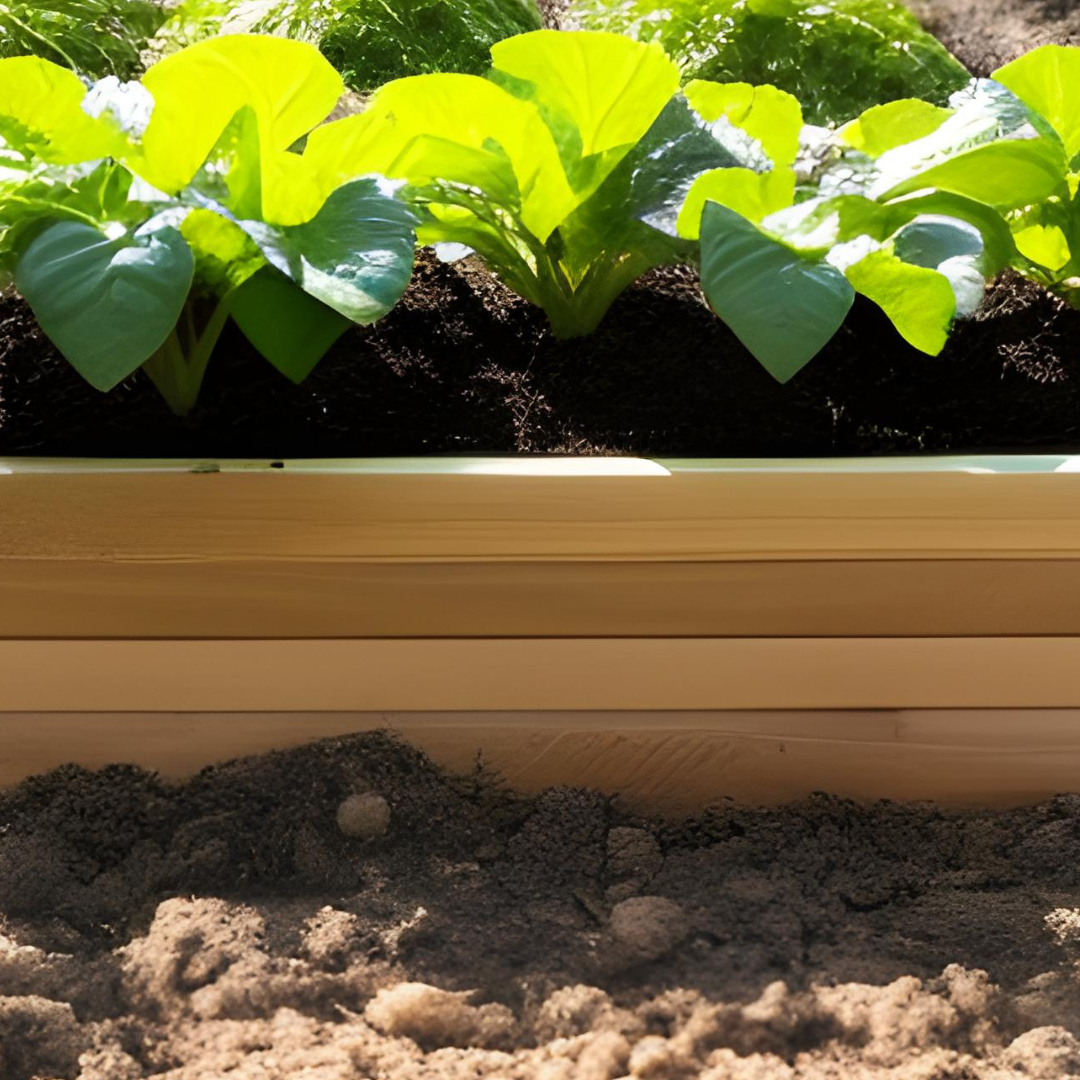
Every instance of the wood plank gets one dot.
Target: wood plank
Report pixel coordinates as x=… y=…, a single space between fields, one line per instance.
x=272 y=599
x=677 y=515
x=673 y=764
x=547 y=674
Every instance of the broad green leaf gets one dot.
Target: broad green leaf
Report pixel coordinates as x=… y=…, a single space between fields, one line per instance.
x=783 y=308
x=920 y=302
x=998 y=248
x=225 y=256
x=992 y=149
x=457 y=129
x=289 y=327
x=598 y=93
x=752 y=195
x=1046 y=245
x=1047 y=80
x=41 y=114
x=108 y=305
x=197 y=92
x=355 y=255
x=771 y=116
x=951 y=247
x=652 y=182
x=885 y=127
x=277 y=186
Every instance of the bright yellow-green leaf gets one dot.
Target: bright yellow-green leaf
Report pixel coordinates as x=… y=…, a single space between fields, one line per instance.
x=610 y=87
x=1047 y=80
x=771 y=116
x=41 y=114
x=1043 y=244
x=919 y=301
x=886 y=127
x=751 y=195
x=288 y=84
x=461 y=129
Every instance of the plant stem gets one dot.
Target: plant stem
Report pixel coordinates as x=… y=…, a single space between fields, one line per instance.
x=178 y=367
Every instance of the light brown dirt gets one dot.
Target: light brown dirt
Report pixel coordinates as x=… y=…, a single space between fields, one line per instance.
x=229 y=927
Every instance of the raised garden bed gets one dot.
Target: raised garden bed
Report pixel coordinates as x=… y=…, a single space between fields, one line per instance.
x=611 y=662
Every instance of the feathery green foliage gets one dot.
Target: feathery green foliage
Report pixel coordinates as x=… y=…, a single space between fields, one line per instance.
x=94 y=37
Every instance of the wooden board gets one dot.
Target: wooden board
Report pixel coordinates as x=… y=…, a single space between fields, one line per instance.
x=671 y=764
x=485 y=675
x=530 y=548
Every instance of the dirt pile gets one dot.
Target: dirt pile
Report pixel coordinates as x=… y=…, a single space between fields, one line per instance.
x=229 y=926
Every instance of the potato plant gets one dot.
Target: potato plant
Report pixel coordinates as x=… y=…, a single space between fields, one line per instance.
x=137 y=218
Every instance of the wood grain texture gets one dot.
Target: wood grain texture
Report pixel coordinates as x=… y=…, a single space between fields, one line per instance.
x=447 y=549
x=682 y=516
x=668 y=763
x=484 y=675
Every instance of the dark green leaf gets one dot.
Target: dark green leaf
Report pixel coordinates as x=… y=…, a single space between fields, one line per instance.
x=107 y=304
x=291 y=329
x=783 y=308
x=355 y=255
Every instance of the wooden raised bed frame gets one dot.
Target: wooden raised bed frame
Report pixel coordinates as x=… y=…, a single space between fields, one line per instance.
x=660 y=628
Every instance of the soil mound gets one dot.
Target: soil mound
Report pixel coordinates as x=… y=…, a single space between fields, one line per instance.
x=228 y=926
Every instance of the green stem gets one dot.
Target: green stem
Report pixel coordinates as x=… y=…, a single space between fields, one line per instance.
x=178 y=367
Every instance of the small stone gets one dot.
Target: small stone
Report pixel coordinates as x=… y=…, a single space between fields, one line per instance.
x=650 y=925
x=364 y=816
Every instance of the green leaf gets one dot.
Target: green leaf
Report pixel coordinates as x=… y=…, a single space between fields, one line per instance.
x=655 y=180
x=885 y=127
x=41 y=114
x=769 y=115
x=598 y=93
x=752 y=195
x=108 y=305
x=197 y=92
x=1046 y=80
x=783 y=308
x=225 y=256
x=289 y=328
x=454 y=130
x=355 y=255
x=953 y=249
x=992 y=149
x=920 y=302
x=1046 y=245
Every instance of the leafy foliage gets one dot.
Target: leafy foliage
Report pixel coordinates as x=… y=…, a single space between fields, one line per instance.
x=838 y=57
x=374 y=41
x=903 y=204
x=548 y=167
x=136 y=218
x=1047 y=229
x=94 y=37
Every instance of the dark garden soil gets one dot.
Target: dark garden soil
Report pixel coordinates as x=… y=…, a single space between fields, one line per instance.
x=464 y=367
x=234 y=926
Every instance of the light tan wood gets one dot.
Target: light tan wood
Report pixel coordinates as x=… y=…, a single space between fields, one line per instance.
x=61 y=599
x=302 y=519
x=460 y=549
x=546 y=674
x=674 y=764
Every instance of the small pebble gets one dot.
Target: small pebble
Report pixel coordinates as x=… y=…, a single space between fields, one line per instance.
x=364 y=816
x=650 y=925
